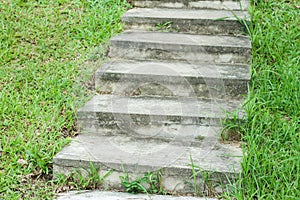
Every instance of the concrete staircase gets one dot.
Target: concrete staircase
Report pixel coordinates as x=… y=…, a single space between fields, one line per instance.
x=172 y=77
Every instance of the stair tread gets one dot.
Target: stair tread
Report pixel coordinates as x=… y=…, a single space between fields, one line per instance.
x=181 y=107
x=183 y=39
x=173 y=14
x=115 y=152
x=176 y=69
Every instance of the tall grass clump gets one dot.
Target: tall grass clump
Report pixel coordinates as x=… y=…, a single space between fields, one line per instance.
x=271 y=163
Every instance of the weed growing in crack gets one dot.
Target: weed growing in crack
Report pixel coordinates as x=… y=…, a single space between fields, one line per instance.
x=165 y=27
x=150 y=183
x=243 y=21
x=89 y=179
x=204 y=187
x=232 y=127
x=133 y=186
x=200 y=137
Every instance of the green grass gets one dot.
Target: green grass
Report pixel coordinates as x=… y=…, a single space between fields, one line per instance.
x=149 y=183
x=271 y=162
x=44 y=49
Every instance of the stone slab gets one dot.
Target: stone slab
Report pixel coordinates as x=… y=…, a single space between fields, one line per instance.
x=194 y=4
x=191 y=135
x=179 y=79
x=185 y=47
x=103 y=195
x=118 y=113
x=186 y=21
x=136 y=157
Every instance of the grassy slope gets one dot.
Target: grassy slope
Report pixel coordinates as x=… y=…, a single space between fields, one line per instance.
x=42 y=48
x=272 y=160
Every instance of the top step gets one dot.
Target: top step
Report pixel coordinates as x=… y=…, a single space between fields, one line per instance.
x=194 y=4
x=212 y=22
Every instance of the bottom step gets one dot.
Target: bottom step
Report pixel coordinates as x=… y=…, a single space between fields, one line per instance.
x=136 y=157
x=98 y=195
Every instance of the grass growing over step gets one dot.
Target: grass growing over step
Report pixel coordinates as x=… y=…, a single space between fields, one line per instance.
x=271 y=163
x=43 y=46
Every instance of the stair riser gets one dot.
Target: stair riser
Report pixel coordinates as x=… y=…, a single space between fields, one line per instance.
x=135 y=85
x=183 y=135
x=155 y=51
x=179 y=119
x=173 y=180
x=214 y=27
x=200 y=4
x=121 y=122
x=142 y=127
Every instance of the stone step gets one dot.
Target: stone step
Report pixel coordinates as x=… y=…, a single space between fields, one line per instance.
x=100 y=195
x=186 y=21
x=125 y=155
x=182 y=135
x=184 y=47
x=112 y=114
x=179 y=79
x=194 y=4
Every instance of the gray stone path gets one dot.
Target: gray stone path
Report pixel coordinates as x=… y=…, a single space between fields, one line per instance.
x=171 y=79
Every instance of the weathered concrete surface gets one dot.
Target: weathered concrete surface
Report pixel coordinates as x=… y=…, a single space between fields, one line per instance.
x=184 y=135
x=100 y=195
x=136 y=157
x=179 y=79
x=194 y=4
x=186 y=21
x=184 y=47
x=123 y=114
x=137 y=135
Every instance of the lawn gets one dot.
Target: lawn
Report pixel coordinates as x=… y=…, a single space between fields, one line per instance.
x=48 y=49
x=271 y=162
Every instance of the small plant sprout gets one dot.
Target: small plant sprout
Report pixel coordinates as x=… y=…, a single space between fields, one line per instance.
x=204 y=187
x=133 y=186
x=200 y=137
x=149 y=183
x=86 y=179
x=92 y=180
x=164 y=26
